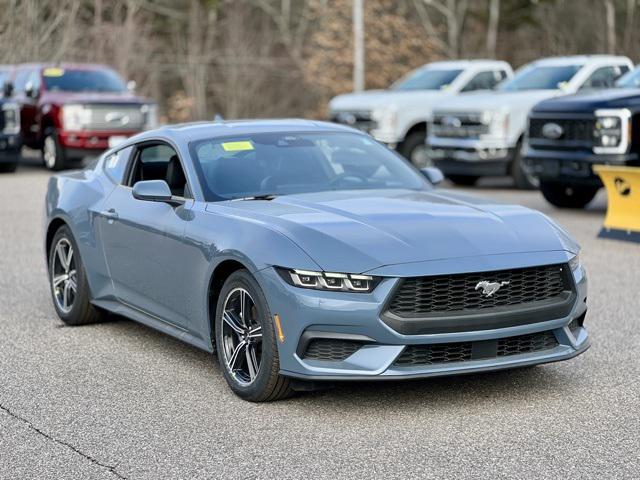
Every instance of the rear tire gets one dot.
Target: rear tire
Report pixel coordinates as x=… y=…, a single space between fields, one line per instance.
x=241 y=317
x=464 y=180
x=68 y=282
x=53 y=155
x=414 y=149
x=567 y=196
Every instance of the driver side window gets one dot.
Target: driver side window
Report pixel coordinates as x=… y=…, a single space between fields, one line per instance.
x=159 y=162
x=484 y=81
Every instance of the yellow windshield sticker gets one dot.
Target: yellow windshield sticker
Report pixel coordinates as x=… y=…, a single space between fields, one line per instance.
x=237 y=146
x=53 y=72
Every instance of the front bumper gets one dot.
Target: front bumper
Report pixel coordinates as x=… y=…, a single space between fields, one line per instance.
x=87 y=142
x=486 y=157
x=310 y=314
x=573 y=166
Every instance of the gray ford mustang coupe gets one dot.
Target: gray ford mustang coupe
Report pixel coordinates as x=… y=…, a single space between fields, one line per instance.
x=303 y=251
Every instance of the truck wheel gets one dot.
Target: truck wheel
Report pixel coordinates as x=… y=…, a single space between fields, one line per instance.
x=567 y=196
x=8 y=167
x=414 y=149
x=53 y=155
x=522 y=177
x=464 y=180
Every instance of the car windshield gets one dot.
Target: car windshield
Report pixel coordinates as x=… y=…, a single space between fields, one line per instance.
x=102 y=80
x=630 y=79
x=427 y=79
x=541 y=78
x=285 y=163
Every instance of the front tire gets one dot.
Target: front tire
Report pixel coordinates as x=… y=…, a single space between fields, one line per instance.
x=464 y=180
x=53 y=155
x=8 y=167
x=522 y=177
x=246 y=341
x=567 y=196
x=68 y=282
x=414 y=149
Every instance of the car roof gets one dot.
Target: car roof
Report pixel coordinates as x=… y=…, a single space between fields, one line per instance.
x=463 y=64
x=580 y=59
x=195 y=131
x=65 y=66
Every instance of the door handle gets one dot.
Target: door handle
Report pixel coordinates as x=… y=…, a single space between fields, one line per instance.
x=110 y=214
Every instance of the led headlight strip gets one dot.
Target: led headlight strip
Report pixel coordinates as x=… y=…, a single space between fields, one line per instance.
x=328 y=280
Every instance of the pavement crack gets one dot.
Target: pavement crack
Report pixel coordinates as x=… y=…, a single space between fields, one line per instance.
x=110 y=468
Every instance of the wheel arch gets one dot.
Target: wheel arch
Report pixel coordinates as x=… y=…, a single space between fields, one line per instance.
x=52 y=228
x=222 y=271
x=420 y=127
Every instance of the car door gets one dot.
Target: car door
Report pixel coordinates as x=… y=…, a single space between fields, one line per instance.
x=140 y=238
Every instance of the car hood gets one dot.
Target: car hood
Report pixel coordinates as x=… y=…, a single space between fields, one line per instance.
x=357 y=231
x=379 y=98
x=496 y=100
x=588 y=102
x=61 y=98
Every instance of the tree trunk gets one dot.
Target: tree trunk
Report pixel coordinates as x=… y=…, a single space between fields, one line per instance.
x=611 y=26
x=492 y=27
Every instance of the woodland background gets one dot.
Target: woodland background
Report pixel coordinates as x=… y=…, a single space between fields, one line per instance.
x=274 y=58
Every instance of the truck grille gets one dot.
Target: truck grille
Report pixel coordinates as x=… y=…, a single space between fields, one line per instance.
x=106 y=117
x=360 y=119
x=460 y=293
x=574 y=131
x=459 y=125
x=437 y=353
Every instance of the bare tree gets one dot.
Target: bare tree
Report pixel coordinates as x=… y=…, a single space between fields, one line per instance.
x=454 y=13
x=611 y=25
x=492 y=27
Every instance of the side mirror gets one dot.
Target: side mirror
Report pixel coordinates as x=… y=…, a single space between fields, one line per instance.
x=433 y=174
x=155 y=191
x=30 y=91
x=131 y=85
x=7 y=89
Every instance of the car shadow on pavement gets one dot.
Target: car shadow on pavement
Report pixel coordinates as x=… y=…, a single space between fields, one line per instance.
x=441 y=392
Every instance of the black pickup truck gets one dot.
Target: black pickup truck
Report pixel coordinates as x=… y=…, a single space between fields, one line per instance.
x=10 y=138
x=568 y=135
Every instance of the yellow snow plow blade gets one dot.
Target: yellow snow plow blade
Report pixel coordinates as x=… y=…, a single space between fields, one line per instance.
x=623 y=193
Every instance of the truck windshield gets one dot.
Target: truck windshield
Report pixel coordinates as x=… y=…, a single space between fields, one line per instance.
x=630 y=79
x=103 y=80
x=541 y=78
x=427 y=79
x=272 y=164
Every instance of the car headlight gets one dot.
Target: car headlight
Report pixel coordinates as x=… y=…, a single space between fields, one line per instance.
x=574 y=263
x=11 y=113
x=342 y=282
x=150 y=114
x=498 y=121
x=611 y=131
x=75 y=117
x=386 y=118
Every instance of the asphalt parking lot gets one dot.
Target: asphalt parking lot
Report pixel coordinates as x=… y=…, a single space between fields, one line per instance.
x=118 y=400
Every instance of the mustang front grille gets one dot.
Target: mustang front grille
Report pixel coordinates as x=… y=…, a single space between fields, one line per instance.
x=437 y=353
x=465 y=293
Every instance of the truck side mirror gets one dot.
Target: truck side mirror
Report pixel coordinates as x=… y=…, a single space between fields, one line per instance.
x=131 y=85
x=7 y=89
x=30 y=91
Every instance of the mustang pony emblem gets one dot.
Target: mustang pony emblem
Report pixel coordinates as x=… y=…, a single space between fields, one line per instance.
x=489 y=288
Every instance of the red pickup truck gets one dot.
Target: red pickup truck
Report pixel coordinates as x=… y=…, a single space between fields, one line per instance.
x=69 y=111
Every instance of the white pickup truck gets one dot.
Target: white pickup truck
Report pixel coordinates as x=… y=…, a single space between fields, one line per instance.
x=481 y=134
x=399 y=115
